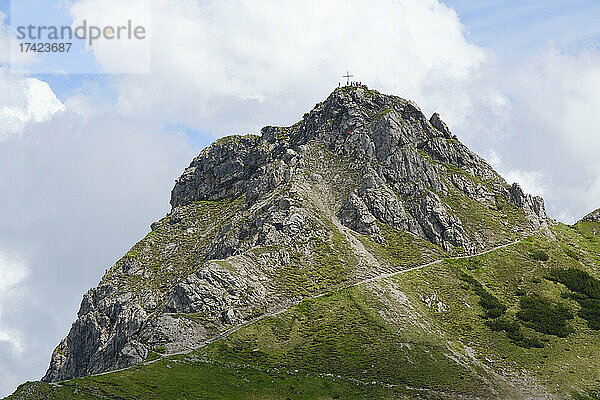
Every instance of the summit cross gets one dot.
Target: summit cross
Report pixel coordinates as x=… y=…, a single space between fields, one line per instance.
x=347 y=76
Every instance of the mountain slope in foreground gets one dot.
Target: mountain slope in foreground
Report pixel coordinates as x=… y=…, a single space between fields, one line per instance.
x=362 y=252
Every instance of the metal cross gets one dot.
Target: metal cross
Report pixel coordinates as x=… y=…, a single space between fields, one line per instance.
x=348 y=76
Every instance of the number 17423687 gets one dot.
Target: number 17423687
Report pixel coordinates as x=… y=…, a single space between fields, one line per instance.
x=45 y=47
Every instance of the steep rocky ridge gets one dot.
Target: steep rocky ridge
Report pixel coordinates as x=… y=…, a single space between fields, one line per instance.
x=258 y=223
x=593 y=216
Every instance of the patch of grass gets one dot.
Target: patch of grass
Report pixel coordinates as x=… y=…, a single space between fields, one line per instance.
x=187 y=378
x=44 y=391
x=590 y=394
x=589 y=229
x=381 y=114
x=401 y=248
x=153 y=355
x=326 y=264
x=494 y=313
x=343 y=334
x=425 y=156
x=223 y=264
x=234 y=139
x=472 y=264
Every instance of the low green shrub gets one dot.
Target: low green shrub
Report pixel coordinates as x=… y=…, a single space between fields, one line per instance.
x=492 y=307
x=514 y=332
x=539 y=255
x=504 y=324
x=544 y=316
x=590 y=311
x=572 y=254
x=585 y=290
x=472 y=264
x=577 y=281
x=593 y=394
x=529 y=342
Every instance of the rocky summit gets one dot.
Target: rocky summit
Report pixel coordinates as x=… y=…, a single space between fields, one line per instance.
x=363 y=250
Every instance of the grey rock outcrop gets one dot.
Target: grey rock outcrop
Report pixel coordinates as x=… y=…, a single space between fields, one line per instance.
x=220 y=171
x=254 y=220
x=356 y=215
x=440 y=125
x=214 y=291
x=533 y=206
x=100 y=337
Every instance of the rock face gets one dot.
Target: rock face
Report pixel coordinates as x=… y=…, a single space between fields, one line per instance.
x=440 y=125
x=258 y=223
x=533 y=206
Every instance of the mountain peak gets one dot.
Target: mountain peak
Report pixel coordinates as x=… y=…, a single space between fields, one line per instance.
x=387 y=135
x=260 y=221
x=352 y=110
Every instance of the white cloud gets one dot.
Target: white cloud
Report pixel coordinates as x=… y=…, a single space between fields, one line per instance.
x=126 y=53
x=228 y=67
x=238 y=65
x=12 y=273
x=531 y=181
x=24 y=100
x=554 y=127
x=41 y=100
x=84 y=187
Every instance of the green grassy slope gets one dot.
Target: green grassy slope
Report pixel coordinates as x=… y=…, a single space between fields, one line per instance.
x=507 y=324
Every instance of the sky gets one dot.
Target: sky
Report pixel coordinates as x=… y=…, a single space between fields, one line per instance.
x=92 y=141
